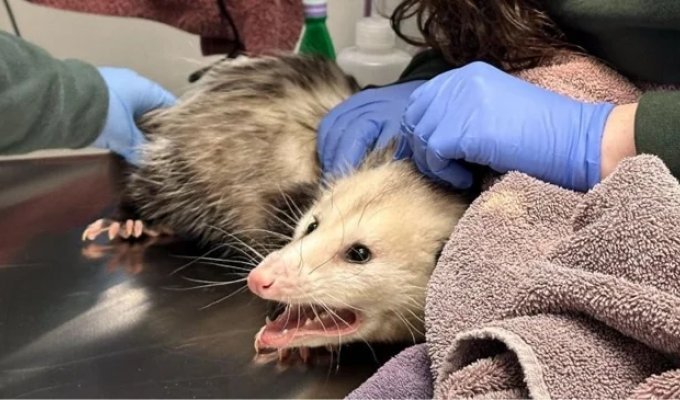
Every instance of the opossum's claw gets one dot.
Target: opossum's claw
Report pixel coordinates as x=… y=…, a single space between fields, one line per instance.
x=126 y=229
x=100 y=226
x=138 y=228
x=114 y=229
x=93 y=230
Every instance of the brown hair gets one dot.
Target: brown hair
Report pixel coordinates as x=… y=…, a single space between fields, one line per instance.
x=510 y=34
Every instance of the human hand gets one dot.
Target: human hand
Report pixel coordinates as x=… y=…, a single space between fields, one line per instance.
x=130 y=96
x=367 y=120
x=484 y=116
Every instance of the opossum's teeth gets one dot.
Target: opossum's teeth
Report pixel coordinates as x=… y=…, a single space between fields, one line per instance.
x=257 y=340
x=301 y=327
x=283 y=354
x=304 y=354
x=267 y=321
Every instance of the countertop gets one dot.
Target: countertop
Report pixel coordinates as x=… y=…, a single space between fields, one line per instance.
x=84 y=320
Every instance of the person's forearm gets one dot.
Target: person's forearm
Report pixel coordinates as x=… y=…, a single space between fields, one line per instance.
x=618 y=140
x=45 y=102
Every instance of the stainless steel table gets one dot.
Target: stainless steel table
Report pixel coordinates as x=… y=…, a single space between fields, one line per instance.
x=79 y=323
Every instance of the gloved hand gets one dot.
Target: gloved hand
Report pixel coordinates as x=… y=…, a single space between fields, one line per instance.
x=482 y=115
x=367 y=120
x=130 y=96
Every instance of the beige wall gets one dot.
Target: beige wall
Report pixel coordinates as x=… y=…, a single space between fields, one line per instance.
x=4 y=20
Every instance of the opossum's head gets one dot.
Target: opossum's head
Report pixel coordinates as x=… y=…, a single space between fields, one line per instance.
x=360 y=259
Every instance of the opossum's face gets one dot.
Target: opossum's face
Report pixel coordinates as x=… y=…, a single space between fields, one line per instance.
x=359 y=262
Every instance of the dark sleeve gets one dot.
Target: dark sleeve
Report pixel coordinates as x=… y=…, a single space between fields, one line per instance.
x=425 y=66
x=657 y=127
x=45 y=102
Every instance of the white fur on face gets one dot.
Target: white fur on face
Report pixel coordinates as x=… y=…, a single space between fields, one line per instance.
x=394 y=213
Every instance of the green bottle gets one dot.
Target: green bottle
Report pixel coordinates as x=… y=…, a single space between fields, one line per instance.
x=315 y=37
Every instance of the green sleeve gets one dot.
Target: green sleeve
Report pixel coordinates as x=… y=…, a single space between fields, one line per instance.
x=45 y=102
x=657 y=127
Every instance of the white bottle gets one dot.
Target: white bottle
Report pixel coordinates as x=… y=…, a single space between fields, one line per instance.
x=375 y=60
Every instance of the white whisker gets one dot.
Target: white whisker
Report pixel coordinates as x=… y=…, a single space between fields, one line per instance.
x=225 y=297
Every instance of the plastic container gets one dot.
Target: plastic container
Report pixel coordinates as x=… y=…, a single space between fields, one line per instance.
x=315 y=37
x=375 y=59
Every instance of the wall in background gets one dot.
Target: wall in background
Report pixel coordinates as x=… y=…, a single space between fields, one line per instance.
x=163 y=53
x=342 y=15
x=4 y=20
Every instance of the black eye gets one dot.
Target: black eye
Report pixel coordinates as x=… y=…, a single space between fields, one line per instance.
x=358 y=254
x=312 y=226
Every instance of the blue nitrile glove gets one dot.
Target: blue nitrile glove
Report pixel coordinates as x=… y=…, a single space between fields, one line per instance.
x=367 y=120
x=130 y=96
x=484 y=116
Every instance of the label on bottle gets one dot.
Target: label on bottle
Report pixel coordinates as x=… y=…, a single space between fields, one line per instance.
x=315 y=10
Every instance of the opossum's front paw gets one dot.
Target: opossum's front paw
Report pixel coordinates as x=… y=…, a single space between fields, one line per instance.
x=123 y=230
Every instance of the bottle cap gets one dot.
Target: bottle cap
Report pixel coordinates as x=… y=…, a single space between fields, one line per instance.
x=375 y=33
x=315 y=8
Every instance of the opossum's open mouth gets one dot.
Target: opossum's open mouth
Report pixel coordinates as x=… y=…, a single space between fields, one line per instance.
x=304 y=325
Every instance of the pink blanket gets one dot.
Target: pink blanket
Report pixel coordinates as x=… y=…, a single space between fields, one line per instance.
x=261 y=25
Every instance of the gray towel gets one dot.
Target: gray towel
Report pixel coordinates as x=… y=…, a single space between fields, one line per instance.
x=408 y=376
x=578 y=295
x=542 y=292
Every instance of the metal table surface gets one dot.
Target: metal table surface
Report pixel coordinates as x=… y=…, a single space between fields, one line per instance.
x=85 y=322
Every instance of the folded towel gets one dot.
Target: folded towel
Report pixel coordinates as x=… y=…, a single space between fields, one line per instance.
x=664 y=386
x=582 y=78
x=262 y=26
x=579 y=293
x=409 y=374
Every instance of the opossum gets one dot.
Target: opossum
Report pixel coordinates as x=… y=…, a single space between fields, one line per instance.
x=359 y=262
x=237 y=156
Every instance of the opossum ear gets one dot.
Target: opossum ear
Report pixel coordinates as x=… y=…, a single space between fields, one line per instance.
x=381 y=156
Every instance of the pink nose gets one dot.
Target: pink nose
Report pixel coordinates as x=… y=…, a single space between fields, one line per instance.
x=260 y=282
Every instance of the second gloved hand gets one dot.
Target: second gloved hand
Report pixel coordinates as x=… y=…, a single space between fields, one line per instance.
x=484 y=116
x=367 y=120
x=130 y=96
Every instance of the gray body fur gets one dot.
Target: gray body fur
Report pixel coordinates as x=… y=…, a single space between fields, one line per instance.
x=237 y=150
